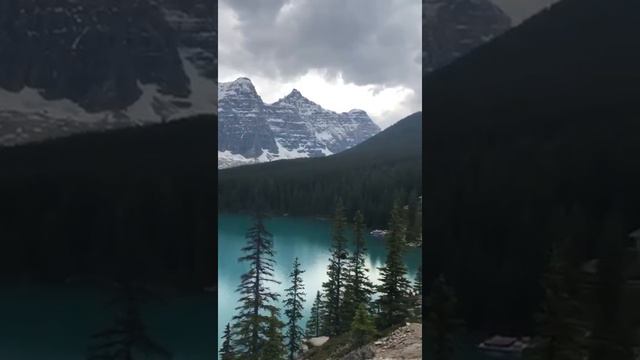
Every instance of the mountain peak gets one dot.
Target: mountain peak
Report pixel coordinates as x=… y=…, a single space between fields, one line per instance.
x=242 y=80
x=292 y=127
x=296 y=98
x=295 y=94
x=241 y=85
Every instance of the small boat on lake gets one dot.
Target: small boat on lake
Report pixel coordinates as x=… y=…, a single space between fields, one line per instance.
x=379 y=233
x=504 y=345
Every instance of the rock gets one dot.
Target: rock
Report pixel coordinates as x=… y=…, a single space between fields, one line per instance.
x=318 y=341
x=403 y=343
x=363 y=353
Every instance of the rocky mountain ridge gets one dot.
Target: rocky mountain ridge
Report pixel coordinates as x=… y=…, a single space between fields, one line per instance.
x=70 y=66
x=251 y=131
x=452 y=28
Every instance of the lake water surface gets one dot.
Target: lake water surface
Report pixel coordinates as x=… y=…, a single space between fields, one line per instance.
x=56 y=322
x=308 y=239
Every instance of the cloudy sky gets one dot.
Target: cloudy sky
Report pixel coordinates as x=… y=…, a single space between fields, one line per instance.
x=340 y=54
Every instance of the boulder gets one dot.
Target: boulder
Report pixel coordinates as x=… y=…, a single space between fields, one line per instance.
x=317 y=341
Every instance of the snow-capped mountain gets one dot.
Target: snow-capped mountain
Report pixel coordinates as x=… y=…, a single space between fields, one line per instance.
x=70 y=66
x=251 y=131
x=452 y=28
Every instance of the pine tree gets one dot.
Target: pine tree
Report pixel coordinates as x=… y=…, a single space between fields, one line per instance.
x=417 y=295
x=293 y=310
x=612 y=336
x=314 y=325
x=274 y=348
x=442 y=321
x=394 y=301
x=127 y=339
x=362 y=328
x=337 y=271
x=226 y=352
x=256 y=298
x=358 y=288
x=562 y=331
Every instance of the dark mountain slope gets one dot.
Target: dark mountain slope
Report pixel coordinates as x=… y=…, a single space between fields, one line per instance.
x=140 y=199
x=71 y=66
x=399 y=141
x=366 y=177
x=452 y=28
x=531 y=139
x=154 y=148
x=559 y=53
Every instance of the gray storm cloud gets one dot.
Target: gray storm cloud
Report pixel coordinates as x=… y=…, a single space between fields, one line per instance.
x=368 y=42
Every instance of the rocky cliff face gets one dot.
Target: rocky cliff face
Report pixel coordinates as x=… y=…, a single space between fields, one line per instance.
x=251 y=131
x=452 y=28
x=195 y=24
x=83 y=65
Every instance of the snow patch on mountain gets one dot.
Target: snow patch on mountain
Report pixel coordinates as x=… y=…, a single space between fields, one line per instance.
x=292 y=127
x=284 y=153
x=226 y=159
x=30 y=101
x=203 y=96
x=178 y=78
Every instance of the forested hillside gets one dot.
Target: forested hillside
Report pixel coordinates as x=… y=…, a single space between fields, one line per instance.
x=367 y=177
x=531 y=140
x=139 y=199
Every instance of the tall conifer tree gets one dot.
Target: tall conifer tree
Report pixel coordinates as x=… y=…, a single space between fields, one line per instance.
x=226 y=352
x=562 y=331
x=251 y=322
x=612 y=334
x=362 y=328
x=337 y=271
x=273 y=348
x=293 y=310
x=442 y=322
x=127 y=339
x=314 y=325
x=358 y=288
x=394 y=301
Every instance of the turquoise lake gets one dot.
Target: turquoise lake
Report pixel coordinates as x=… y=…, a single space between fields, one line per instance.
x=308 y=239
x=56 y=322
